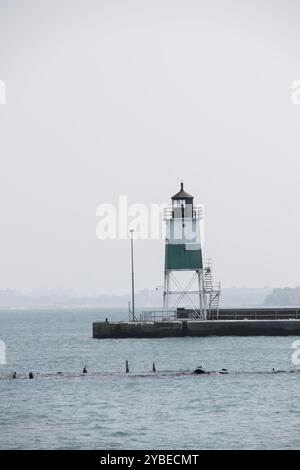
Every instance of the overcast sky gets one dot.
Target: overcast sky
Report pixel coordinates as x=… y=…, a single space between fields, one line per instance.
x=116 y=97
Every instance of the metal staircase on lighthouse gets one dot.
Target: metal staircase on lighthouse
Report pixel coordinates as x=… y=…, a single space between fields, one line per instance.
x=212 y=291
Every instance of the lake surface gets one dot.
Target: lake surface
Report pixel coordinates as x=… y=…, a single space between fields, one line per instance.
x=250 y=408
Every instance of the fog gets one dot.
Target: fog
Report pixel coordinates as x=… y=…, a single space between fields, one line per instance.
x=108 y=98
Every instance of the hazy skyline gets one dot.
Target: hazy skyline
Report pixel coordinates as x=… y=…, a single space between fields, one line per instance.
x=110 y=98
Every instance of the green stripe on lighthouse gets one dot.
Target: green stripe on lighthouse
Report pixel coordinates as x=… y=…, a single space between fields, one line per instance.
x=178 y=257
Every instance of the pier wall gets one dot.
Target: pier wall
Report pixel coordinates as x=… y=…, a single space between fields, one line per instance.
x=175 y=329
x=242 y=313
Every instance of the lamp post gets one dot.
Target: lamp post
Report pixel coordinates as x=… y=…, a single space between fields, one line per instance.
x=132 y=275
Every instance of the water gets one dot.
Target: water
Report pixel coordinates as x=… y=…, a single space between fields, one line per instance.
x=108 y=409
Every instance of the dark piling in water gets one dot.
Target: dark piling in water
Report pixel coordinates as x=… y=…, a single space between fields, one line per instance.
x=127 y=366
x=200 y=370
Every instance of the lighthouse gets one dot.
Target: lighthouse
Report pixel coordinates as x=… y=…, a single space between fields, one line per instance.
x=184 y=253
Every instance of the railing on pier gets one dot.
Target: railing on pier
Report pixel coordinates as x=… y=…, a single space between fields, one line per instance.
x=158 y=315
x=222 y=314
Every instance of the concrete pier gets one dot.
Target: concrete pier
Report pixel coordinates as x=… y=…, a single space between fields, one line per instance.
x=177 y=329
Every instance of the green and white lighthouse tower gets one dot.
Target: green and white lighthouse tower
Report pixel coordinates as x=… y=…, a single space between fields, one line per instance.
x=184 y=252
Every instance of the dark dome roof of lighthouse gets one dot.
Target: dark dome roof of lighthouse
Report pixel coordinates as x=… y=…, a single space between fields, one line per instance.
x=182 y=194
